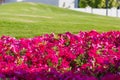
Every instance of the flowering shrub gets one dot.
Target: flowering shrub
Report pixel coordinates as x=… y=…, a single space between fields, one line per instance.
x=83 y=56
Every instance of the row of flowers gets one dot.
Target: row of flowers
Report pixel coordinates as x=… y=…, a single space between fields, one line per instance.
x=83 y=56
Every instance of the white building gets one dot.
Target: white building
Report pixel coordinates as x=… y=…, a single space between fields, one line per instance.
x=59 y=3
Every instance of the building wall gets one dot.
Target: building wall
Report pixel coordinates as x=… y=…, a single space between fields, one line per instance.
x=52 y=2
x=59 y=3
x=7 y=1
x=67 y=3
x=76 y=3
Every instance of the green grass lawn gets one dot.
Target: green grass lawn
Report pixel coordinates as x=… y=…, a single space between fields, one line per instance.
x=33 y=19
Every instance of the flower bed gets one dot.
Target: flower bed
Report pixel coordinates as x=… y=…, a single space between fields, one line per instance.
x=83 y=56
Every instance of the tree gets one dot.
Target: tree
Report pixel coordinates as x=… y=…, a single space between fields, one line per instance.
x=118 y=4
x=112 y=3
x=97 y=3
x=83 y=3
x=91 y=3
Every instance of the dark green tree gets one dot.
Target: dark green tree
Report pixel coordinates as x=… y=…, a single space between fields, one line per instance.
x=83 y=3
x=91 y=3
x=97 y=3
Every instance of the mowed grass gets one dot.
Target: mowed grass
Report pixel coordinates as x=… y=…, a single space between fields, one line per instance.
x=34 y=19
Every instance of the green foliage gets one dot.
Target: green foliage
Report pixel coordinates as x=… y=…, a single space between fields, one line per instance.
x=118 y=3
x=83 y=3
x=91 y=3
x=112 y=3
x=102 y=4
x=98 y=3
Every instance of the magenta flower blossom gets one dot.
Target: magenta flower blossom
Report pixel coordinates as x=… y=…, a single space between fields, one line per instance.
x=84 y=56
